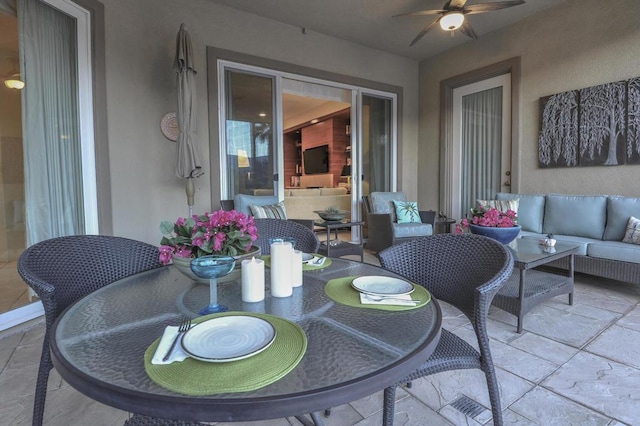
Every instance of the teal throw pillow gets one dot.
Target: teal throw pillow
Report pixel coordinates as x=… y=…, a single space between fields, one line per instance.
x=407 y=211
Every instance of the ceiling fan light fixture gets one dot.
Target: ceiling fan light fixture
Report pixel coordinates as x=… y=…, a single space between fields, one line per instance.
x=14 y=84
x=451 y=21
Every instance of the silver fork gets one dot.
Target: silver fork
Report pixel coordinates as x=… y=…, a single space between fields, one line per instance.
x=185 y=325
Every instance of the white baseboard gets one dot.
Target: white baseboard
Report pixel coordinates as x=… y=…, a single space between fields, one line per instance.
x=21 y=315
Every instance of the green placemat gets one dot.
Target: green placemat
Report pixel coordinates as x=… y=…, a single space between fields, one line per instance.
x=193 y=377
x=340 y=290
x=305 y=267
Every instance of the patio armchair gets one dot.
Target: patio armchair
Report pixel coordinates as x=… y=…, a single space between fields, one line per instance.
x=241 y=202
x=465 y=271
x=383 y=229
x=63 y=270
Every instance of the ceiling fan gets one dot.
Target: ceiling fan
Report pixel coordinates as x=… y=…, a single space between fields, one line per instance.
x=452 y=16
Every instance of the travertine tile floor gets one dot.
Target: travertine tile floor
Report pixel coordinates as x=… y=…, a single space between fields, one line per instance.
x=572 y=365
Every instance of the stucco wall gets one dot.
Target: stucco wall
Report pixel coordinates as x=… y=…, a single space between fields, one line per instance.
x=140 y=46
x=578 y=44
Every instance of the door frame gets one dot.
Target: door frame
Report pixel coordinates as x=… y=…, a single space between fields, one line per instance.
x=509 y=66
x=250 y=63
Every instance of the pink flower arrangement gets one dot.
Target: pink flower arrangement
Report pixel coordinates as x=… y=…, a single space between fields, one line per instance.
x=222 y=232
x=490 y=217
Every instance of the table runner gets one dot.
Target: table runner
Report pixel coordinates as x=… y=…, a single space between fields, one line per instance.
x=196 y=378
x=340 y=290
x=305 y=267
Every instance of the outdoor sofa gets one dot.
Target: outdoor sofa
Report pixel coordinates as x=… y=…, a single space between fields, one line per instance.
x=595 y=223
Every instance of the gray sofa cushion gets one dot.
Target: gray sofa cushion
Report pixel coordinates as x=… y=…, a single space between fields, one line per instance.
x=382 y=202
x=619 y=210
x=578 y=215
x=411 y=230
x=614 y=250
x=241 y=202
x=530 y=209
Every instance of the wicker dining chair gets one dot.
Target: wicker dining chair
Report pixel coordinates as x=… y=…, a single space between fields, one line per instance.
x=465 y=271
x=65 y=269
x=306 y=239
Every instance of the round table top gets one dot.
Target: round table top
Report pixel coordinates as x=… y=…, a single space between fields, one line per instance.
x=99 y=342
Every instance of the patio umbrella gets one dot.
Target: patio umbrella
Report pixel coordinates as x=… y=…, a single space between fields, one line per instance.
x=188 y=155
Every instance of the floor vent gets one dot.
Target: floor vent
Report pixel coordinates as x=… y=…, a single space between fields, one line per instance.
x=467 y=406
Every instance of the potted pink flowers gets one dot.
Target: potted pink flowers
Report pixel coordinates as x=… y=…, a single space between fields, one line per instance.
x=492 y=223
x=229 y=233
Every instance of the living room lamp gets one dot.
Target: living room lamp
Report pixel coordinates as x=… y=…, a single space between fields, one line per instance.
x=451 y=21
x=14 y=82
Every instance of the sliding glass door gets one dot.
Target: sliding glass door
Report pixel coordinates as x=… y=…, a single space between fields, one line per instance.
x=249 y=121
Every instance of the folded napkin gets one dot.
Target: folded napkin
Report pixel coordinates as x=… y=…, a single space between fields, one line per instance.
x=400 y=300
x=177 y=354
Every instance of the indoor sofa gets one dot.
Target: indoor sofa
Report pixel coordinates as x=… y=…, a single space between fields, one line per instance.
x=595 y=223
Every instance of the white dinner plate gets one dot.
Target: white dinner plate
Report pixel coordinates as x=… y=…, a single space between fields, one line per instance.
x=307 y=257
x=382 y=286
x=226 y=339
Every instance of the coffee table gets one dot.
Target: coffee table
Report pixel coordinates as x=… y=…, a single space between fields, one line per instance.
x=528 y=287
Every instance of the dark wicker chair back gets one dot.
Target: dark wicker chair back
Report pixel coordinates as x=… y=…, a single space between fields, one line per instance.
x=465 y=271
x=306 y=239
x=63 y=270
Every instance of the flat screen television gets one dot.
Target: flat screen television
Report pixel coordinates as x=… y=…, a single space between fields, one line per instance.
x=316 y=160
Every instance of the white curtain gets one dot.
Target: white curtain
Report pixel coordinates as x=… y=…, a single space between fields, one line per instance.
x=53 y=164
x=481 y=146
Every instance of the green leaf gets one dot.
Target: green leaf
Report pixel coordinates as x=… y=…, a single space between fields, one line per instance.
x=166 y=227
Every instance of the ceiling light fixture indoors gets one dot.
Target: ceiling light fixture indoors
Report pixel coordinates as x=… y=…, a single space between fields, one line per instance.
x=14 y=82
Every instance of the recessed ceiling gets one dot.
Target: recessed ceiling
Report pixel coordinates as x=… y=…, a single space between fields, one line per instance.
x=371 y=22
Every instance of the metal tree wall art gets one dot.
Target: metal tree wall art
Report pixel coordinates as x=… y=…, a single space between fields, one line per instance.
x=558 y=141
x=598 y=125
x=602 y=124
x=633 y=122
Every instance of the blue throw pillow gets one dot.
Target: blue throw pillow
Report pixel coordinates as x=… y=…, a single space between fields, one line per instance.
x=407 y=211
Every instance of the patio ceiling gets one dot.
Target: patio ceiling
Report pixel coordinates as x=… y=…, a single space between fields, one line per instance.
x=370 y=22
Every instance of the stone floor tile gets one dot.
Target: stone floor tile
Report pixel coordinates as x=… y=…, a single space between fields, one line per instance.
x=17 y=383
x=5 y=355
x=452 y=318
x=439 y=390
x=618 y=343
x=33 y=336
x=373 y=403
x=25 y=356
x=603 y=385
x=521 y=363
x=631 y=319
x=68 y=407
x=546 y=408
x=545 y=348
x=514 y=419
x=409 y=412
x=343 y=415
x=564 y=327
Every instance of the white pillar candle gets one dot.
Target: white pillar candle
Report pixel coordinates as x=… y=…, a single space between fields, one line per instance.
x=281 y=253
x=296 y=268
x=252 y=280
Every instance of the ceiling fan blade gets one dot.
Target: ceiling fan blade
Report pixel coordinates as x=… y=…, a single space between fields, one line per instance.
x=489 y=7
x=467 y=30
x=422 y=12
x=454 y=4
x=425 y=30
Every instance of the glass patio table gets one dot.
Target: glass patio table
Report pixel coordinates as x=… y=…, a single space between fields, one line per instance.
x=98 y=345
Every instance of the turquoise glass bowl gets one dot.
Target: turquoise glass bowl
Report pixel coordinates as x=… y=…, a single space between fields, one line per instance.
x=212 y=266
